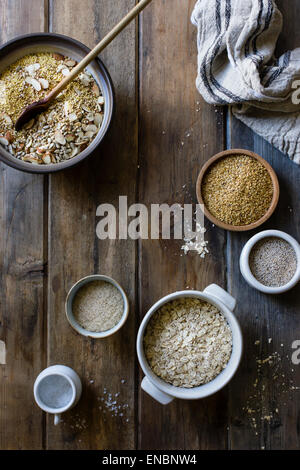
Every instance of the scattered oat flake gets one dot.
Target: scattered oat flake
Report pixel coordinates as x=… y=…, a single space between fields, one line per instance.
x=258 y=407
x=195 y=242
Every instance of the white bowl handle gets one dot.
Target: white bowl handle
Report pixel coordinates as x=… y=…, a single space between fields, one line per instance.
x=221 y=295
x=155 y=393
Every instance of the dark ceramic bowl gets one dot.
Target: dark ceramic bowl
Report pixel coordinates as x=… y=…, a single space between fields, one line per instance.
x=47 y=42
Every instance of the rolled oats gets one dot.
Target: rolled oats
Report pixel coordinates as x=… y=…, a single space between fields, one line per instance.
x=188 y=342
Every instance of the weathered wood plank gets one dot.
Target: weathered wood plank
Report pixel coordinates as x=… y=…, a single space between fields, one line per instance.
x=22 y=271
x=263 y=317
x=178 y=132
x=75 y=251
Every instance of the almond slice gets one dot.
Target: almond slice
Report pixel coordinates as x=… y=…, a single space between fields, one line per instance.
x=58 y=56
x=6 y=118
x=33 y=82
x=59 y=138
x=47 y=158
x=95 y=89
x=61 y=67
x=40 y=151
x=44 y=83
x=89 y=134
x=32 y=68
x=74 y=152
x=67 y=108
x=91 y=128
x=98 y=119
x=9 y=137
x=70 y=137
x=72 y=117
x=4 y=141
x=70 y=63
x=65 y=72
x=32 y=159
x=84 y=79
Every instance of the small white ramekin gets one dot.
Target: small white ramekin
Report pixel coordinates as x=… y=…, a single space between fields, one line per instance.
x=245 y=267
x=69 y=312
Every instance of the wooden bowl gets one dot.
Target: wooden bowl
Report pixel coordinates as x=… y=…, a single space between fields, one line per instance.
x=238 y=228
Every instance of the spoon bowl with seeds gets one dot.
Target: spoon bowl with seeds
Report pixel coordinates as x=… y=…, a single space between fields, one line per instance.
x=61 y=132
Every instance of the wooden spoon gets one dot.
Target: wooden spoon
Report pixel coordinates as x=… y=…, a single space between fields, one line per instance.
x=37 y=107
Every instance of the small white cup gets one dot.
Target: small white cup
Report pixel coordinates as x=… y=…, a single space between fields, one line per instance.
x=163 y=392
x=245 y=267
x=75 y=384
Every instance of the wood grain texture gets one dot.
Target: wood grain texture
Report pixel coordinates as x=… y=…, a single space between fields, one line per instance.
x=22 y=272
x=75 y=251
x=178 y=132
x=263 y=317
x=275 y=404
x=161 y=135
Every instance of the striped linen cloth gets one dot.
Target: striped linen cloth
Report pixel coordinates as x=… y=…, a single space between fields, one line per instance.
x=236 y=66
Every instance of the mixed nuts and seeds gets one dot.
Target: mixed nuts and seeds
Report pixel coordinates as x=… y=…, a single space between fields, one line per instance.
x=237 y=190
x=66 y=128
x=188 y=342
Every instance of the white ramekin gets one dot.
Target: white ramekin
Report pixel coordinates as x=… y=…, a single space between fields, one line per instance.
x=163 y=392
x=69 y=302
x=245 y=268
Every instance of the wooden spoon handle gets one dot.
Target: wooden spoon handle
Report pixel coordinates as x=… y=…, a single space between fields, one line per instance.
x=96 y=51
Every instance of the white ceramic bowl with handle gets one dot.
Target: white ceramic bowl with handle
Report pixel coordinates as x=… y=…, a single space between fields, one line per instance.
x=163 y=392
x=245 y=267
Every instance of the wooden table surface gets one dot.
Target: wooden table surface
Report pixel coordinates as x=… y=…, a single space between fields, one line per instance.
x=162 y=133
